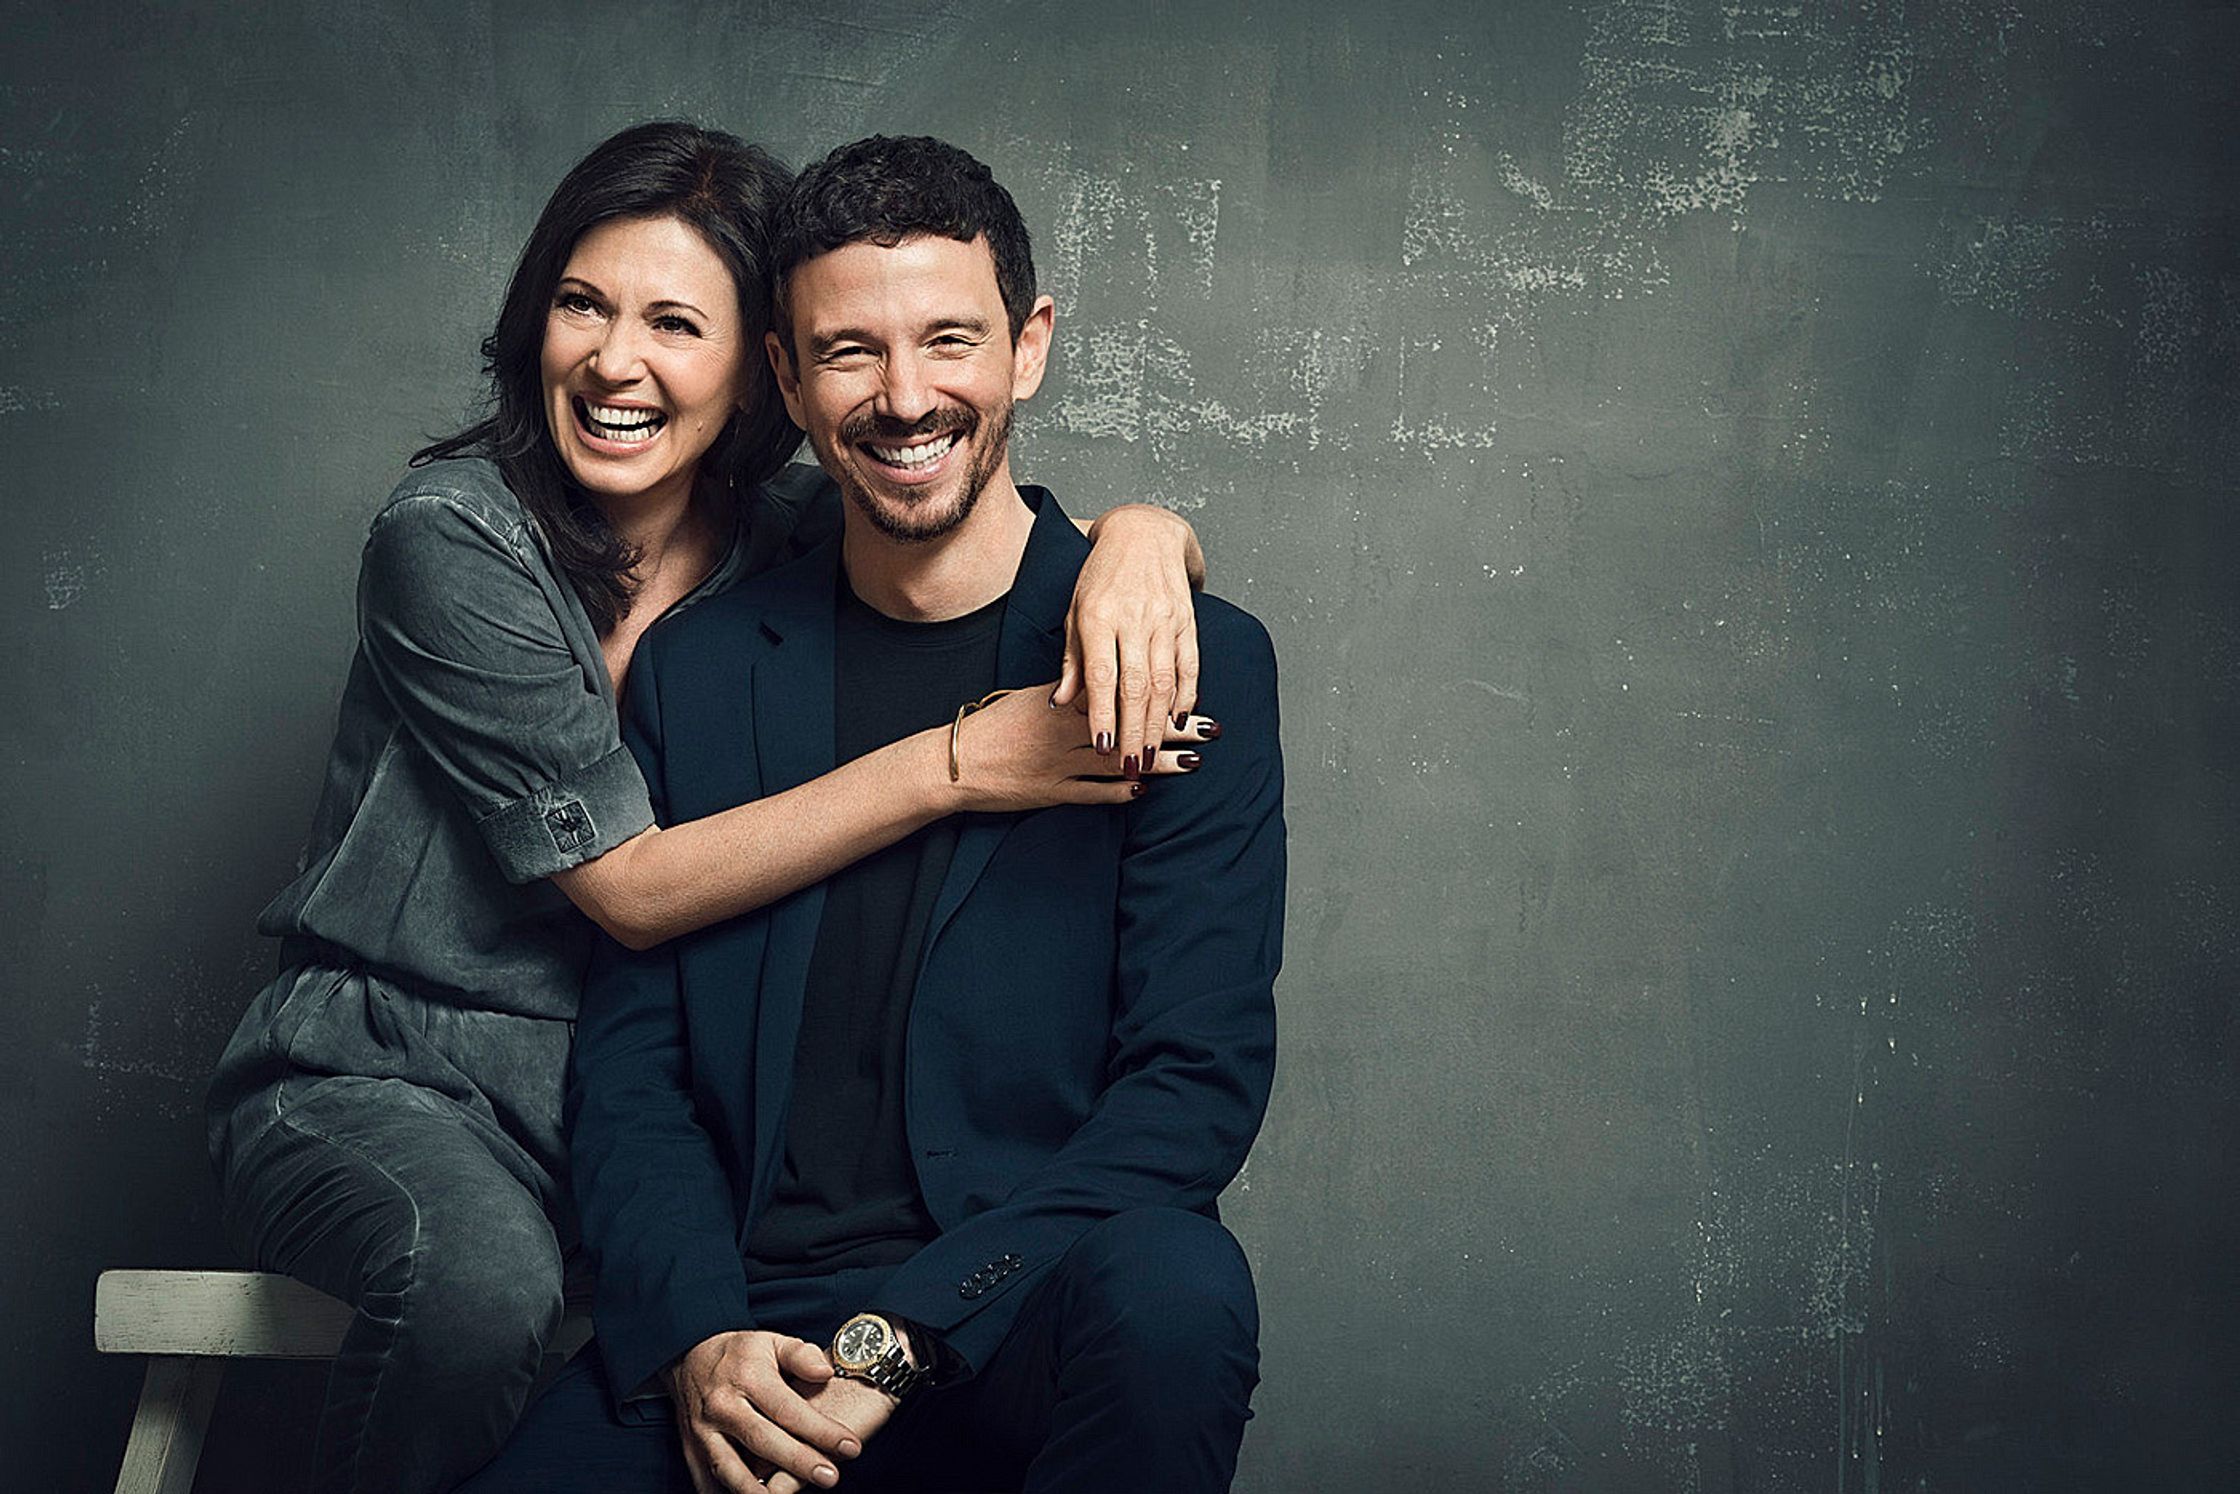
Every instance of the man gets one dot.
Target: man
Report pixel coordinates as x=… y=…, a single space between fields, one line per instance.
x=908 y=1181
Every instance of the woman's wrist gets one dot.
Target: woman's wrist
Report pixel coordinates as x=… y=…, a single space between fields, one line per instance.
x=929 y=790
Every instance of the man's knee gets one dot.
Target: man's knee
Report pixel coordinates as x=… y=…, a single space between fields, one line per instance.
x=1169 y=1283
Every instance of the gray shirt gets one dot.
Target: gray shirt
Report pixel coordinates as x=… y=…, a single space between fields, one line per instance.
x=477 y=751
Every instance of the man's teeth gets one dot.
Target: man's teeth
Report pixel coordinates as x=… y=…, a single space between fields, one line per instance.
x=622 y=422
x=916 y=456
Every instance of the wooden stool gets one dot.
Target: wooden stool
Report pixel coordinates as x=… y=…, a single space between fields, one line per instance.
x=190 y=1323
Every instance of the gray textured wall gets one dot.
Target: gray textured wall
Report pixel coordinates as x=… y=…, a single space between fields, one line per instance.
x=1743 y=491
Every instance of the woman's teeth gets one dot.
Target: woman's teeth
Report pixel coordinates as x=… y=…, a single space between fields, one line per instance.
x=915 y=456
x=622 y=423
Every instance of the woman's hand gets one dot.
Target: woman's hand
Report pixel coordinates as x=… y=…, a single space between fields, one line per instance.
x=1131 y=632
x=1021 y=752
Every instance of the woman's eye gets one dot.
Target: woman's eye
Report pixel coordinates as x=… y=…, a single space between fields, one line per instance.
x=576 y=302
x=675 y=324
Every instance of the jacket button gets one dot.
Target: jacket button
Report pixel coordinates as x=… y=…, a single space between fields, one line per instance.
x=970 y=1290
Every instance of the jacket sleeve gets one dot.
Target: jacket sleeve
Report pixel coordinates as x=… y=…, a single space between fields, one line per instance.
x=1200 y=930
x=464 y=636
x=659 y=1220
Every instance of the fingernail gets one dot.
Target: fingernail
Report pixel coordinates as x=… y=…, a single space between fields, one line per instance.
x=1135 y=790
x=1128 y=769
x=1186 y=760
x=1104 y=742
x=1209 y=731
x=1181 y=720
x=850 y=1448
x=826 y=1474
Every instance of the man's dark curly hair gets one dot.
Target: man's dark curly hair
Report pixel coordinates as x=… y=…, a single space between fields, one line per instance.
x=889 y=188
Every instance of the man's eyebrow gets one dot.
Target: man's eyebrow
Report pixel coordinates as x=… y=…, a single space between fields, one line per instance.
x=821 y=343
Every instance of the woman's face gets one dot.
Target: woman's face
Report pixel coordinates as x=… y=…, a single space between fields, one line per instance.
x=643 y=358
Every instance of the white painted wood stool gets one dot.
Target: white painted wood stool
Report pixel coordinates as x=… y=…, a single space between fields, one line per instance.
x=190 y=1323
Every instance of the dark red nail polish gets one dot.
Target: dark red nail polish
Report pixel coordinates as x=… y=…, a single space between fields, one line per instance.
x=1128 y=769
x=1187 y=760
x=1104 y=742
x=1135 y=789
x=1209 y=731
x=1181 y=720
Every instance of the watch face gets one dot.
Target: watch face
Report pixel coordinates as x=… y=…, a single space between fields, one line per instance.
x=861 y=1341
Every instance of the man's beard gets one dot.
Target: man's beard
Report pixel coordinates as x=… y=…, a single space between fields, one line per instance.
x=914 y=523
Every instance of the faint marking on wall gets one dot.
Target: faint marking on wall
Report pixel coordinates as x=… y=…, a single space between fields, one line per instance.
x=63 y=576
x=19 y=401
x=1149 y=240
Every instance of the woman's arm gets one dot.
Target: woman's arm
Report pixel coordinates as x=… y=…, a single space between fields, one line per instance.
x=665 y=882
x=1017 y=754
x=1132 y=605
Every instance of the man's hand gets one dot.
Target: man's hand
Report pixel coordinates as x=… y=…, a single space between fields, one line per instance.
x=854 y=1403
x=744 y=1396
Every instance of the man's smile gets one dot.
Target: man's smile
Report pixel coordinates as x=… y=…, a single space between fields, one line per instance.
x=912 y=455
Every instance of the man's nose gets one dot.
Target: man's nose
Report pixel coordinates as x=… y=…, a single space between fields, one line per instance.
x=905 y=394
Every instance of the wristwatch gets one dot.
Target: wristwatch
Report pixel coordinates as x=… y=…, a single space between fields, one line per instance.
x=867 y=1348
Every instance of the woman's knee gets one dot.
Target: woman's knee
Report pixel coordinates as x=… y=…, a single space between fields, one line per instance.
x=486 y=1297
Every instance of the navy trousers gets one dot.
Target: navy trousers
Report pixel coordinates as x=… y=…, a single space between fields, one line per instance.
x=1131 y=1367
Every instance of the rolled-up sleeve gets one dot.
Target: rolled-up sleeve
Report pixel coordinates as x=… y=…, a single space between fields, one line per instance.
x=464 y=636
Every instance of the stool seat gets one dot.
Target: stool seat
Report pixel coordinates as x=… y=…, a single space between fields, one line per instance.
x=190 y=1323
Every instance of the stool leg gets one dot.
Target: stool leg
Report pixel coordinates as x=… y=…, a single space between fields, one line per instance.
x=175 y=1404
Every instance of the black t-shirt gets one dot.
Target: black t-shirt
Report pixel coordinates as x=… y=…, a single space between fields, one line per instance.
x=846 y=1193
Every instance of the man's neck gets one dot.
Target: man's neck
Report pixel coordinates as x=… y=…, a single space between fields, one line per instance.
x=933 y=580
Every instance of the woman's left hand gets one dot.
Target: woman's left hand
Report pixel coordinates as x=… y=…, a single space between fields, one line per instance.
x=1132 y=632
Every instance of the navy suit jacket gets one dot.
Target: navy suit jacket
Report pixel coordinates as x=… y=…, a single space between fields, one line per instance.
x=1093 y=1027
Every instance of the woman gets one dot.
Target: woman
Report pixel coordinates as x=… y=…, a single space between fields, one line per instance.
x=385 y=1122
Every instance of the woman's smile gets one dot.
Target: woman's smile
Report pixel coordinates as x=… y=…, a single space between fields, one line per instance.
x=618 y=425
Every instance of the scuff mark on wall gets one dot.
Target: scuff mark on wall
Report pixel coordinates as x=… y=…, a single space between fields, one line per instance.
x=63 y=577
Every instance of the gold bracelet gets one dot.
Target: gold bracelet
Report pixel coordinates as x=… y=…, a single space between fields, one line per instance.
x=956 y=730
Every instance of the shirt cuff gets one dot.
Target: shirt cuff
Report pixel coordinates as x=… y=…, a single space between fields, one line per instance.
x=570 y=821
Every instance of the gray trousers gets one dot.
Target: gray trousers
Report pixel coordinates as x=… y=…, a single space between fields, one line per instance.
x=404 y=1155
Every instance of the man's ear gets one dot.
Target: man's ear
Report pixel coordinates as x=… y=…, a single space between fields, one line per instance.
x=789 y=385
x=1030 y=350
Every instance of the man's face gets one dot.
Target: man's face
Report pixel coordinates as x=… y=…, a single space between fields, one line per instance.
x=903 y=371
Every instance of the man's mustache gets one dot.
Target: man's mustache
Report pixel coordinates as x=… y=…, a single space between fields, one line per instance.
x=867 y=427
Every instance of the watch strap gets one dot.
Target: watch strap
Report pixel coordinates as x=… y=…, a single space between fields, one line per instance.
x=892 y=1373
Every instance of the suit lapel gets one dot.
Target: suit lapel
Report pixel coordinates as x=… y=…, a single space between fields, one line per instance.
x=793 y=740
x=1027 y=653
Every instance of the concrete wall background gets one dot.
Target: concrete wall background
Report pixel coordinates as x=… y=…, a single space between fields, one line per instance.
x=1743 y=492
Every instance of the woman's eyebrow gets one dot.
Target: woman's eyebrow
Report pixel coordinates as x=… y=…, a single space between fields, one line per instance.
x=678 y=306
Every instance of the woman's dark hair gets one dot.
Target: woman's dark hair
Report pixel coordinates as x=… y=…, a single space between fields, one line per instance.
x=888 y=188
x=731 y=193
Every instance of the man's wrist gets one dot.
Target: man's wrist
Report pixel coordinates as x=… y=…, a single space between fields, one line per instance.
x=887 y=1353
